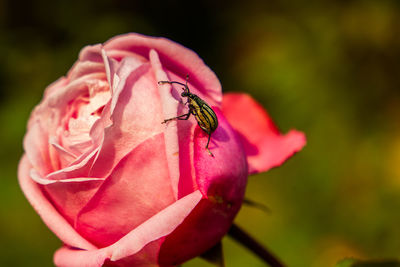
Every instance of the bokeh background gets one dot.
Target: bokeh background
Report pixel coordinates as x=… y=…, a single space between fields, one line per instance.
x=328 y=68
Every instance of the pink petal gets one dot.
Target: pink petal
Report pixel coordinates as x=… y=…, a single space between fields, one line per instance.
x=173 y=57
x=222 y=180
x=36 y=146
x=169 y=107
x=70 y=197
x=265 y=146
x=136 y=116
x=111 y=67
x=227 y=166
x=138 y=188
x=46 y=210
x=140 y=247
x=70 y=257
x=202 y=229
x=81 y=69
x=44 y=124
x=79 y=168
x=50 y=90
x=187 y=180
x=181 y=150
x=158 y=226
x=58 y=99
x=48 y=115
x=91 y=53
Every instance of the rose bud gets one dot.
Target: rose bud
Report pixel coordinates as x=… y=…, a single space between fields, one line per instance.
x=121 y=188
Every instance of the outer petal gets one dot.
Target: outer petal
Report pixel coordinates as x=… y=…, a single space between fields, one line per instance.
x=265 y=146
x=70 y=197
x=36 y=147
x=46 y=211
x=222 y=180
x=90 y=61
x=173 y=57
x=138 y=188
x=140 y=247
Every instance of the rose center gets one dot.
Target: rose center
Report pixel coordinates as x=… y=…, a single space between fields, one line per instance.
x=81 y=114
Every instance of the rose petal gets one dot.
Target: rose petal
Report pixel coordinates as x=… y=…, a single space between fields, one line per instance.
x=44 y=181
x=70 y=257
x=46 y=210
x=173 y=57
x=136 y=117
x=222 y=180
x=84 y=68
x=158 y=226
x=169 y=106
x=265 y=146
x=111 y=67
x=130 y=68
x=79 y=168
x=51 y=89
x=68 y=195
x=64 y=155
x=36 y=146
x=44 y=124
x=138 y=188
x=91 y=53
x=75 y=88
x=140 y=247
x=227 y=168
x=47 y=116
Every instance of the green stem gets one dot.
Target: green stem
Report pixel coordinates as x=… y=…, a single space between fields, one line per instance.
x=247 y=241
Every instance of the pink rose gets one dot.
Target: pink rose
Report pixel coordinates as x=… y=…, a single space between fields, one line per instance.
x=120 y=188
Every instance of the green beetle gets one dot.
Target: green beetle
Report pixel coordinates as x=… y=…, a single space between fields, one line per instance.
x=205 y=116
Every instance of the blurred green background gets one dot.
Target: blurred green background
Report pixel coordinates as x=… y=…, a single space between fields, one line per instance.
x=328 y=68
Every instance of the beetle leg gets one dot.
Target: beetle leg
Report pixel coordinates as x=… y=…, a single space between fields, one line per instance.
x=187 y=116
x=181 y=117
x=209 y=152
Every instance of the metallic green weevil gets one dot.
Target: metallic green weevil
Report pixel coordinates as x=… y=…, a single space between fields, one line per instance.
x=205 y=116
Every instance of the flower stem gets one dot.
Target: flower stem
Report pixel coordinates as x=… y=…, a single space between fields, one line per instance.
x=249 y=242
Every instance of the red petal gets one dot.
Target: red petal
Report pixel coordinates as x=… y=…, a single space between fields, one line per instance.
x=265 y=146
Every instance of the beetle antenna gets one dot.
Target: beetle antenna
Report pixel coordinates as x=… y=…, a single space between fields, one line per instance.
x=185 y=86
x=163 y=82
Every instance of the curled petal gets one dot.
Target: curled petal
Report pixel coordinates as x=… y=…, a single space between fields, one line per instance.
x=46 y=210
x=141 y=246
x=138 y=188
x=173 y=56
x=68 y=195
x=36 y=147
x=136 y=116
x=169 y=108
x=265 y=146
x=71 y=257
